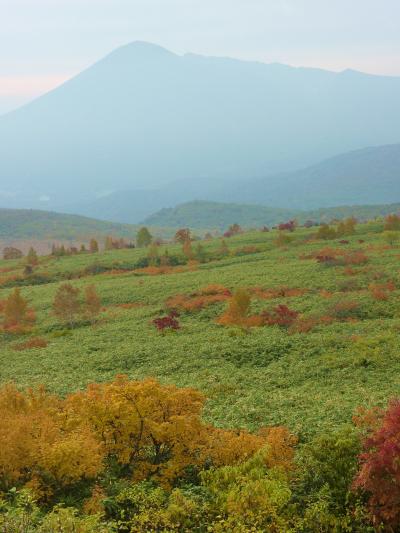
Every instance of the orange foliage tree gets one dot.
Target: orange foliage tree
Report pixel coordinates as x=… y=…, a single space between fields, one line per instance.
x=16 y=311
x=392 y=223
x=182 y=235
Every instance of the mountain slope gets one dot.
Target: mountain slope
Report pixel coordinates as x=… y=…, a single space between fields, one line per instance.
x=371 y=175
x=214 y=215
x=144 y=117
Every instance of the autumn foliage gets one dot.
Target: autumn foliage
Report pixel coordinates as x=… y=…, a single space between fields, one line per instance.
x=17 y=314
x=379 y=474
x=197 y=300
x=150 y=431
x=34 y=342
x=167 y=323
x=67 y=305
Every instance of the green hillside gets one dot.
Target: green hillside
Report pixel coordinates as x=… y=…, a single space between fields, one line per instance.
x=35 y=224
x=215 y=215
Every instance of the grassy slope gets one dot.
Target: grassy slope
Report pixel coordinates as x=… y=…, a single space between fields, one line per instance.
x=202 y=214
x=307 y=381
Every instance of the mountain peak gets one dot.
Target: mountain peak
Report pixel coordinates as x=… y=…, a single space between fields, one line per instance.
x=143 y=49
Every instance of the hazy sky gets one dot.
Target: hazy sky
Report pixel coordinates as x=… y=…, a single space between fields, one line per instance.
x=44 y=42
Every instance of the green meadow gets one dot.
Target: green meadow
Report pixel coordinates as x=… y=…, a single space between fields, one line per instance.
x=309 y=381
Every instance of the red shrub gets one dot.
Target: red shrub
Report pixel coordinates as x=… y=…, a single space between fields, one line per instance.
x=167 y=322
x=287 y=226
x=328 y=260
x=281 y=315
x=379 y=474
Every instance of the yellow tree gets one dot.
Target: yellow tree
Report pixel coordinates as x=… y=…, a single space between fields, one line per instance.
x=41 y=445
x=152 y=430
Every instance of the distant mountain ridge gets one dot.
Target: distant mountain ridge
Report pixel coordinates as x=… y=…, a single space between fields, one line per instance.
x=144 y=118
x=214 y=215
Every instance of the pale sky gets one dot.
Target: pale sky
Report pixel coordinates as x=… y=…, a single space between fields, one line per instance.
x=44 y=42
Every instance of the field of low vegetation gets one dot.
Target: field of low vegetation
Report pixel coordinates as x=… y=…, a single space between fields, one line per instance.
x=260 y=366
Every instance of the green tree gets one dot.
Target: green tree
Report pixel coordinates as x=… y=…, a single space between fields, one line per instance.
x=144 y=237
x=93 y=246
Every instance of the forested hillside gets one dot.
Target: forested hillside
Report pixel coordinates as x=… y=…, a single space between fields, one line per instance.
x=202 y=214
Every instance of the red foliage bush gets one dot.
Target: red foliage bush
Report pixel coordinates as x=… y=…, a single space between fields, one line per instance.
x=287 y=226
x=168 y=322
x=281 y=315
x=379 y=474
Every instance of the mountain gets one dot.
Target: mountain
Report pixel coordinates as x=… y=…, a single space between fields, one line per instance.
x=214 y=215
x=143 y=118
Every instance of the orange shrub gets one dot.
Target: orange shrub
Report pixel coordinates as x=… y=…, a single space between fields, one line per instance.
x=236 y=314
x=303 y=325
x=198 y=300
x=35 y=342
x=379 y=291
x=344 y=310
x=355 y=258
x=325 y=294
